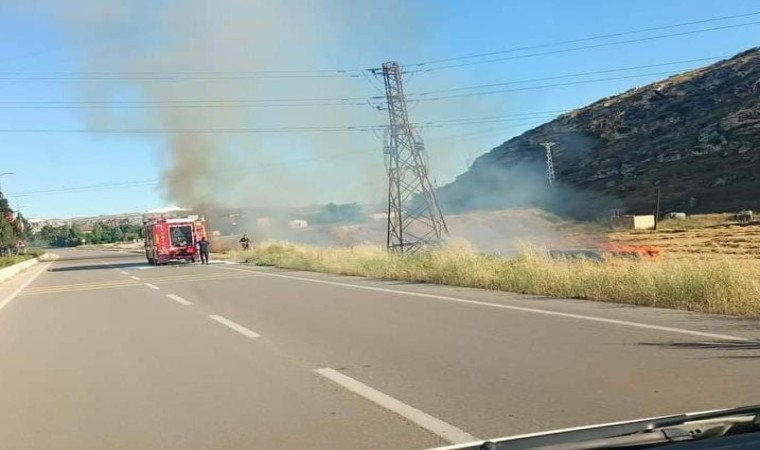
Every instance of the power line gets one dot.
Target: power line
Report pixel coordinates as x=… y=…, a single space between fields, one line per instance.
x=573 y=75
x=259 y=168
x=584 y=47
x=90 y=187
x=224 y=101
x=481 y=120
x=360 y=72
x=586 y=39
x=486 y=132
x=435 y=123
x=190 y=76
x=298 y=102
x=181 y=106
x=153 y=181
x=321 y=102
x=191 y=130
x=417 y=97
x=531 y=88
x=147 y=131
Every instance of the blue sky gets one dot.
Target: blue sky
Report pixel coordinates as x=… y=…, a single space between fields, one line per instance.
x=74 y=174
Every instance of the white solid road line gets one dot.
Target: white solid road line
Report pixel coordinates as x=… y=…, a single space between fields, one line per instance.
x=26 y=283
x=179 y=299
x=135 y=278
x=436 y=426
x=509 y=307
x=239 y=328
x=152 y=286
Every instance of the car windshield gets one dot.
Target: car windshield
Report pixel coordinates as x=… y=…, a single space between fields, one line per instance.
x=346 y=224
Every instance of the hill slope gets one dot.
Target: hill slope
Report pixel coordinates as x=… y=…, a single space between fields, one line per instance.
x=696 y=135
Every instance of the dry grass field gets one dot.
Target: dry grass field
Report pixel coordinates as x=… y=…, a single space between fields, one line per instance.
x=699 y=237
x=707 y=263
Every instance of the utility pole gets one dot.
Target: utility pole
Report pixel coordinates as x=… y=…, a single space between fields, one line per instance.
x=414 y=216
x=657 y=209
x=4 y=174
x=549 y=162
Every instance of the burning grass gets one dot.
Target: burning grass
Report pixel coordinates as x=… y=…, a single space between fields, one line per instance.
x=721 y=286
x=715 y=237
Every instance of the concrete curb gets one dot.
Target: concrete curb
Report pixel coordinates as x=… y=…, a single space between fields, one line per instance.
x=11 y=271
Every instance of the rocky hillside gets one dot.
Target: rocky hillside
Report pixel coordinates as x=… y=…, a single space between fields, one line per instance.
x=696 y=135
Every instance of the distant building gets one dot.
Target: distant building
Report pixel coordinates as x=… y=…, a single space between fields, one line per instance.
x=298 y=223
x=35 y=225
x=634 y=222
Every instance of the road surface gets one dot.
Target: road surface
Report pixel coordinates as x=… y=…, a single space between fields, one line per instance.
x=99 y=350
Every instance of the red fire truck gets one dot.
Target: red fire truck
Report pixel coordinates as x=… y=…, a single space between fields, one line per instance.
x=173 y=239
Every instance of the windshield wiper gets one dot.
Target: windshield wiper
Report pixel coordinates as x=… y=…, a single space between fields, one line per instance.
x=639 y=434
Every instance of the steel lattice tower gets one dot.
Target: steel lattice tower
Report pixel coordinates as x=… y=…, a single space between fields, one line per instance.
x=549 y=162
x=414 y=216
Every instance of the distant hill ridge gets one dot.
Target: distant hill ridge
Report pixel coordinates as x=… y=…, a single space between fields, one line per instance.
x=696 y=135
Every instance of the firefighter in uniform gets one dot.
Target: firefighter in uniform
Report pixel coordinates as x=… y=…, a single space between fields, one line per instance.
x=203 y=247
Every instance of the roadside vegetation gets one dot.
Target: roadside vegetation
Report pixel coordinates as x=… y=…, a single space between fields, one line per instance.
x=101 y=233
x=14 y=230
x=720 y=285
x=6 y=261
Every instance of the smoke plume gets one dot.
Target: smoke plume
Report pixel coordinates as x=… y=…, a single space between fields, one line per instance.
x=196 y=60
x=211 y=55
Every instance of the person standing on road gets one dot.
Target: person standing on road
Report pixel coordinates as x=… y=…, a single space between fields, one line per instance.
x=245 y=242
x=203 y=246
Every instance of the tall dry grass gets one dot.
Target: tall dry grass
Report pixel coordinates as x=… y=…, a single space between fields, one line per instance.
x=720 y=286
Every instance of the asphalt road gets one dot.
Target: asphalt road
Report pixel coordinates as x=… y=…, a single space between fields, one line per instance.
x=99 y=350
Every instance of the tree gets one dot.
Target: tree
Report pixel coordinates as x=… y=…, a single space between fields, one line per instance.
x=47 y=234
x=21 y=226
x=115 y=234
x=99 y=234
x=74 y=236
x=5 y=207
x=7 y=236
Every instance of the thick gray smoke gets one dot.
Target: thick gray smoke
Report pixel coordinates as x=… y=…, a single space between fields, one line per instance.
x=212 y=52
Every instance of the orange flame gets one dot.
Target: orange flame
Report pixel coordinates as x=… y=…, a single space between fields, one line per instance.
x=642 y=251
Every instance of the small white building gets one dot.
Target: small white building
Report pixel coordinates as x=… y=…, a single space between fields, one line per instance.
x=677 y=215
x=645 y=222
x=298 y=223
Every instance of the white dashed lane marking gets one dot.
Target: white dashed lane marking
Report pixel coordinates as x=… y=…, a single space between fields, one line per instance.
x=179 y=299
x=436 y=426
x=237 y=327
